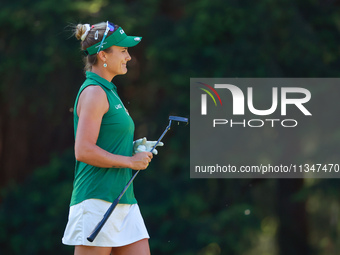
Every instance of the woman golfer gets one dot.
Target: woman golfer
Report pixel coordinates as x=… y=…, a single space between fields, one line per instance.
x=103 y=148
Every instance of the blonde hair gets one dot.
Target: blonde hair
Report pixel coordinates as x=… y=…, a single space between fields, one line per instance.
x=91 y=39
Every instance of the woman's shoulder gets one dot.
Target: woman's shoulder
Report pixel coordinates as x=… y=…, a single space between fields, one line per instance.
x=93 y=91
x=93 y=99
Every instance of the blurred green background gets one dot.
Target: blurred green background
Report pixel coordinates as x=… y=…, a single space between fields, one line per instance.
x=41 y=70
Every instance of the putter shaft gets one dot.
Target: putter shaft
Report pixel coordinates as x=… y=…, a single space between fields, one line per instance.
x=109 y=211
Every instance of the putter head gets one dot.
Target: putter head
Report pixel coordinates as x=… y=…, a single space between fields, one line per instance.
x=178 y=119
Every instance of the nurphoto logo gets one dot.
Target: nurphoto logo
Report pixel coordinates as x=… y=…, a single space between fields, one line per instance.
x=296 y=96
x=263 y=127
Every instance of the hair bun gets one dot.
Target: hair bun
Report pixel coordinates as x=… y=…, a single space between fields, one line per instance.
x=81 y=31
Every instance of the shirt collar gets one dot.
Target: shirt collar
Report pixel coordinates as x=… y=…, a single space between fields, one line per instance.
x=101 y=80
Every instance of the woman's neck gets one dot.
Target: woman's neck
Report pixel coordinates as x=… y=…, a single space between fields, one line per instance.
x=102 y=72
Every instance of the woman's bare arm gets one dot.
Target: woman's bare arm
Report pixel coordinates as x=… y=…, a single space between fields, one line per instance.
x=92 y=105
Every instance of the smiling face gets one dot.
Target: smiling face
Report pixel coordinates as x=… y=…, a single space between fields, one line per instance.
x=116 y=60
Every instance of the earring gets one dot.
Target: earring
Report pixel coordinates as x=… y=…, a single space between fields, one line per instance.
x=105 y=65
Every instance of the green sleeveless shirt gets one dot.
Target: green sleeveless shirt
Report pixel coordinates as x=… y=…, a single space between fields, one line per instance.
x=115 y=136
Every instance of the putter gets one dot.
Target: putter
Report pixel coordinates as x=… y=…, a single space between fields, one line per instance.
x=109 y=211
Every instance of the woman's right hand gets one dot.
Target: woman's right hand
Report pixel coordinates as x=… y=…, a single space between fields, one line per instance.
x=140 y=161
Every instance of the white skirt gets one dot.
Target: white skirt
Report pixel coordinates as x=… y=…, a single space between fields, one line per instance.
x=124 y=226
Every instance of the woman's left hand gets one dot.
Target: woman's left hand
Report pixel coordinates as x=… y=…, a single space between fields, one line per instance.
x=143 y=144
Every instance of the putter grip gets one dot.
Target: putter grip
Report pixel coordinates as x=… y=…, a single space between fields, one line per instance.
x=100 y=225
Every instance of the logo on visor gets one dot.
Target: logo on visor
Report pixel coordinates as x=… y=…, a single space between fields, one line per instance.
x=137 y=39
